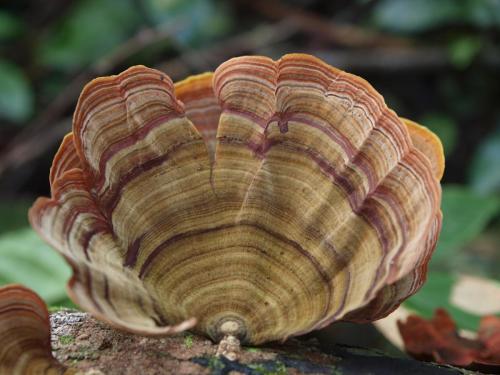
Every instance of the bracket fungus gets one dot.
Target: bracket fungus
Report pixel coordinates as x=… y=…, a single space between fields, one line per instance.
x=25 y=335
x=271 y=197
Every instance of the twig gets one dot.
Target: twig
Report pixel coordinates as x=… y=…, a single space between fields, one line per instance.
x=17 y=154
x=341 y=34
x=398 y=59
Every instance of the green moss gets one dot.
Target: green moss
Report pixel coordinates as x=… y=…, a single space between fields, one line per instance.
x=54 y=309
x=66 y=340
x=188 y=341
x=279 y=369
x=62 y=306
x=85 y=352
x=253 y=350
x=215 y=364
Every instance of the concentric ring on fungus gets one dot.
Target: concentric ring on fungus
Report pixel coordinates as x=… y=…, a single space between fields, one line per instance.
x=267 y=199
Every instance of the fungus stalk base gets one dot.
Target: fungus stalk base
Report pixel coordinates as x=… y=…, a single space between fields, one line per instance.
x=229 y=346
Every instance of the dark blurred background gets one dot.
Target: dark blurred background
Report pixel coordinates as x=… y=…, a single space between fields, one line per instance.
x=437 y=62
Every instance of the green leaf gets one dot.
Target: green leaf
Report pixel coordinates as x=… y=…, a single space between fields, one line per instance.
x=27 y=260
x=410 y=16
x=13 y=215
x=16 y=97
x=465 y=215
x=202 y=19
x=413 y=16
x=436 y=293
x=485 y=171
x=463 y=50
x=444 y=127
x=90 y=30
x=483 y=13
x=10 y=26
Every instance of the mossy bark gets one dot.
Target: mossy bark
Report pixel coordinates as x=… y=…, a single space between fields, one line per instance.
x=82 y=342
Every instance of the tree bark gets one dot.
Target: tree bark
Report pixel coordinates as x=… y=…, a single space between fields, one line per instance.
x=81 y=342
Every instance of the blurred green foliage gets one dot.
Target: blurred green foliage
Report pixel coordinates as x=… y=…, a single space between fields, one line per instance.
x=485 y=167
x=26 y=259
x=88 y=31
x=94 y=27
x=201 y=20
x=29 y=261
x=463 y=49
x=13 y=216
x=10 y=26
x=415 y=16
x=16 y=95
x=444 y=127
x=465 y=215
